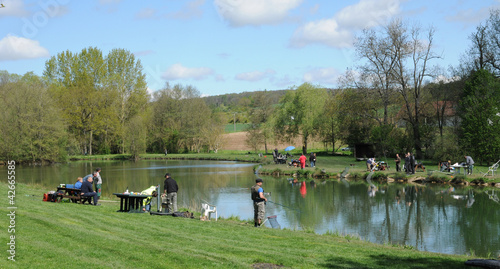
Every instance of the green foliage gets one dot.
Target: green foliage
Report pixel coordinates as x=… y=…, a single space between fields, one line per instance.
x=299 y=113
x=98 y=95
x=480 y=126
x=181 y=121
x=238 y=127
x=31 y=128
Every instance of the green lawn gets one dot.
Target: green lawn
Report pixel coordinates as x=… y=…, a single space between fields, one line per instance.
x=238 y=127
x=67 y=235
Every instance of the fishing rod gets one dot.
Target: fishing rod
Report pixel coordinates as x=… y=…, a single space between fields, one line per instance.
x=284 y=205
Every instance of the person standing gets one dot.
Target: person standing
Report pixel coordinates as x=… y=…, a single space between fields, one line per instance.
x=98 y=182
x=85 y=178
x=398 y=163
x=87 y=190
x=170 y=190
x=312 y=159
x=470 y=164
x=407 y=163
x=412 y=163
x=259 y=202
x=302 y=160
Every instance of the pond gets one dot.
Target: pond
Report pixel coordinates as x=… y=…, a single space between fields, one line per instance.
x=436 y=218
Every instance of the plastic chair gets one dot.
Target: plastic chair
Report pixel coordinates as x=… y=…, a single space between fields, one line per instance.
x=492 y=169
x=207 y=210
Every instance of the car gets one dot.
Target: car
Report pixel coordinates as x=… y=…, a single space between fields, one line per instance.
x=346 y=149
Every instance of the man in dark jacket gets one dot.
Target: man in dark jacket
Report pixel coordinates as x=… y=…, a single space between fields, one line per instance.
x=87 y=190
x=259 y=202
x=170 y=190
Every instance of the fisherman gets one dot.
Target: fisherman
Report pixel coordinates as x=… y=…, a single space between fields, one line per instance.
x=259 y=202
x=170 y=192
x=470 y=164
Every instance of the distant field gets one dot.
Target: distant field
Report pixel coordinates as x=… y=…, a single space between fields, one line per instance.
x=238 y=127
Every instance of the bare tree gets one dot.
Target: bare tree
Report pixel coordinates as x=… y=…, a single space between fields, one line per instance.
x=412 y=48
x=375 y=74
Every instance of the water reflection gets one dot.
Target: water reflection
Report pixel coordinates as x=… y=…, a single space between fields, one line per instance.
x=432 y=218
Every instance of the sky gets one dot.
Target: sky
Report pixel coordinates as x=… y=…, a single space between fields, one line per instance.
x=226 y=46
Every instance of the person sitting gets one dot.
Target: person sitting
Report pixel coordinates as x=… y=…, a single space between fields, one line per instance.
x=445 y=166
x=281 y=159
x=370 y=163
x=294 y=163
x=420 y=165
x=88 y=191
x=78 y=184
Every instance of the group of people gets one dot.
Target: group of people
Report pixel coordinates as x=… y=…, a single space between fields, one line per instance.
x=301 y=162
x=468 y=165
x=169 y=196
x=86 y=188
x=410 y=164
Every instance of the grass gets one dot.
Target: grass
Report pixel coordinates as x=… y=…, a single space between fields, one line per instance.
x=50 y=235
x=238 y=127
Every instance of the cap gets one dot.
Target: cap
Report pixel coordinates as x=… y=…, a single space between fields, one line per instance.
x=258 y=180
x=167 y=174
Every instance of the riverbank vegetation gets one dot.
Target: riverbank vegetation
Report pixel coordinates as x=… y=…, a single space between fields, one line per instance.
x=328 y=166
x=90 y=103
x=49 y=235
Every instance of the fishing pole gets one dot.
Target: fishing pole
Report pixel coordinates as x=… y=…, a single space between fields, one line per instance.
x=284 y=205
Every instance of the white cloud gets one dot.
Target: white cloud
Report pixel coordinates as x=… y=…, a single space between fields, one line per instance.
x=325 y=32
x=255 y=12
x=327 y=75
x=177 y=71
x=338 y=30
x=255 y=75
x=17 y=48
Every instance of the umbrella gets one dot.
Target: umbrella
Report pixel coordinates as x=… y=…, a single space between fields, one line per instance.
x=289 y=148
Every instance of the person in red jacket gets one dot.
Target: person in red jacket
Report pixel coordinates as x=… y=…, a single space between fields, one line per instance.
x=302 y=160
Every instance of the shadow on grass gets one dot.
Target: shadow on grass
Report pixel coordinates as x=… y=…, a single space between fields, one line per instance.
x=386 y=261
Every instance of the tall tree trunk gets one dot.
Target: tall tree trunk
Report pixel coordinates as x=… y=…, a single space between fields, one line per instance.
x=90 y=143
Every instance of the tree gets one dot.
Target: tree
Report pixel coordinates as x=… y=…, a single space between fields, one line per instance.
x=330 y=128
x=31 y=128
x=179 y=120
x=413 y=51
x=261 y=111
x=77 y=81
x=125 y=78
x=376 y=74
x=299 y=113
x=480 y=117
x=98 y=95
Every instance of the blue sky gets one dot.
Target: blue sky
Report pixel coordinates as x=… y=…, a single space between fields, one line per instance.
x=225 y=46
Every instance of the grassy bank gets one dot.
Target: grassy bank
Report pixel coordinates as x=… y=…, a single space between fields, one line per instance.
x=327 y=166
x=221 y=156
x=50 y=235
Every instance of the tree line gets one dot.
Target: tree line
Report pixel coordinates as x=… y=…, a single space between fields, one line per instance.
x=90 y=103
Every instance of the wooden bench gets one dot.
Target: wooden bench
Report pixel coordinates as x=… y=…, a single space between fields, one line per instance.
x=74 y=195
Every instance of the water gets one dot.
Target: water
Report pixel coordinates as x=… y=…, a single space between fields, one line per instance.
x=433 y=218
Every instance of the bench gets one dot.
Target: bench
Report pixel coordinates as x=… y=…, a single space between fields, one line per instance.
x=74 y=195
